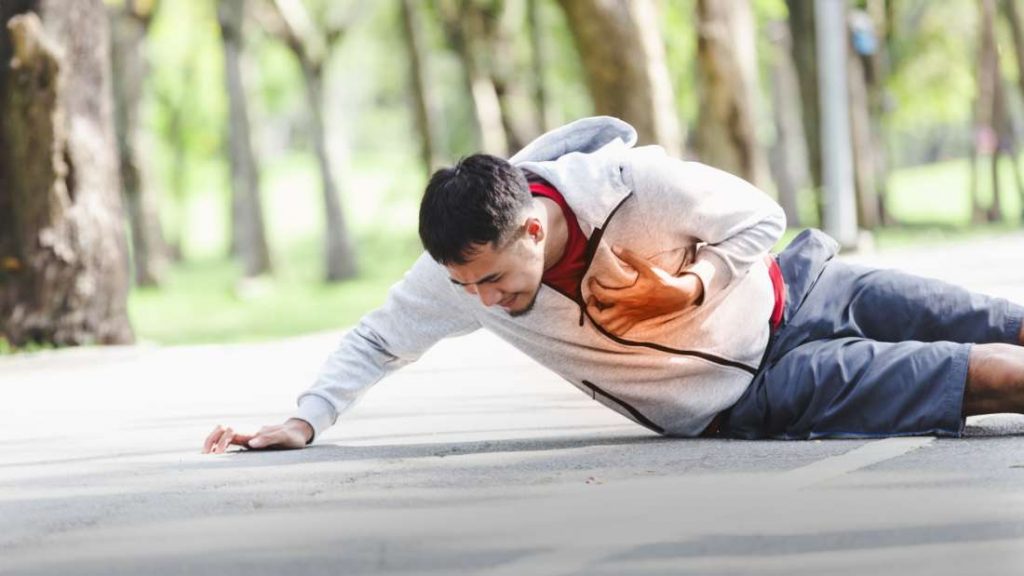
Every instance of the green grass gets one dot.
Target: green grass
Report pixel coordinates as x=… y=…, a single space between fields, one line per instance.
x=203 y=301
x=938 y=193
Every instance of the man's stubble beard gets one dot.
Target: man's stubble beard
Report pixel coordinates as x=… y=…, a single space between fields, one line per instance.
x=528 y=308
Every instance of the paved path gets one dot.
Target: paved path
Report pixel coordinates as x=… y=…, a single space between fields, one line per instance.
x=476 y=461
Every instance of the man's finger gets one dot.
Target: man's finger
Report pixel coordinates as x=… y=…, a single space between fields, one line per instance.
x=212 y=439
x=225 y=439
x=242 y=439
x=640 y=264
x=604 y=294
x=598 y=313
x=614 y=325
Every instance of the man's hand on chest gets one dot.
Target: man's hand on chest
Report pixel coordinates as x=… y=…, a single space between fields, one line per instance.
x=655 y=293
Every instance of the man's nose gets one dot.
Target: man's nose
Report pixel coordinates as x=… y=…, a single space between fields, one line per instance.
x=489 y=295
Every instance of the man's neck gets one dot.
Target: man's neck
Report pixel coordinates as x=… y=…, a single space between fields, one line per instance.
x=557 y=232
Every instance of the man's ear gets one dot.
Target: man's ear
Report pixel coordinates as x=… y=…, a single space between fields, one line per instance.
x=534 y=229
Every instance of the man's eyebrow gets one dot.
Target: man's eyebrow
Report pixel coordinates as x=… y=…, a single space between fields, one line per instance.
x=484 y=280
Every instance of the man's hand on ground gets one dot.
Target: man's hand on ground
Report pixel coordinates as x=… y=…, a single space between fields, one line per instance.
x=294 y=433
x=655 y=293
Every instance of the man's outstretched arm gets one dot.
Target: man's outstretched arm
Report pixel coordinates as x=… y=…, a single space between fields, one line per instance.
x=294 y=433
x=420 y=310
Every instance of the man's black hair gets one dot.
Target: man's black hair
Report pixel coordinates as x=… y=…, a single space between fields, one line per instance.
x=477 y=201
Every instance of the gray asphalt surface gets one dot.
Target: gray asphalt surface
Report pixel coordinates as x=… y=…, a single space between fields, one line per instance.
x=476 y=461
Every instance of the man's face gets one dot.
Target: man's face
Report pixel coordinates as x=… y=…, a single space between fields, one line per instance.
x=509 y=277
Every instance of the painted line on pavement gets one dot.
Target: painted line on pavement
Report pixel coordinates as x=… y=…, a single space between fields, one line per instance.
x=861 y=457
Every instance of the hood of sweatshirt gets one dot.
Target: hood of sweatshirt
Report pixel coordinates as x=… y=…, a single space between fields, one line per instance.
x=583 y=160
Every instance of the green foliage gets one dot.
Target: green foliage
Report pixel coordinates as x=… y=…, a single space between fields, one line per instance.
x=7 y=349
x=933 y=61
x=937 y=193
x=678 y=29
x=563 y=73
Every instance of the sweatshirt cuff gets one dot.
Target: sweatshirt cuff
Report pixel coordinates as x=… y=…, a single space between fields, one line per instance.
x=320 y=414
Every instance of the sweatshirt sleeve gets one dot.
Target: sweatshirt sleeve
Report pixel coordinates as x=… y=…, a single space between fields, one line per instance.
x=736 y=221
x=419 y=311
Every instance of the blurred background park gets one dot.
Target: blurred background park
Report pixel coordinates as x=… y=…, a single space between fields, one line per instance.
x=191 y=171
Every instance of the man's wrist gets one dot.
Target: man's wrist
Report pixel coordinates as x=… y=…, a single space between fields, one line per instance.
x=305 y=428
x=692 y=286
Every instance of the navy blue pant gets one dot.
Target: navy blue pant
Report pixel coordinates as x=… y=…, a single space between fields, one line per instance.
x=864 y=352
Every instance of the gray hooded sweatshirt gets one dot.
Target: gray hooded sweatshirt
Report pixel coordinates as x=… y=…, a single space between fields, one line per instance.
x=672 y=373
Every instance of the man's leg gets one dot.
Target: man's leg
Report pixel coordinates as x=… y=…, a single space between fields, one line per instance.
x=859 y=388
x=995 y=379
x=893 y=306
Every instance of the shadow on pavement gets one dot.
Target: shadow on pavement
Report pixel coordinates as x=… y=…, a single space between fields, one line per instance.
x=341 y=453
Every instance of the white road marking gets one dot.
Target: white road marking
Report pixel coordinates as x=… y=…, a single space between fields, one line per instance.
x=861 y=457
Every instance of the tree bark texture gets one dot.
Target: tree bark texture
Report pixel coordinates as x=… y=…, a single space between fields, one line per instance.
x=339 y=253
x=1013 y=17
x=129 y=25
x=248 y=233
x=727 y=127
x=542 y=108
x=789 y=151
x=878 y=66
x=465 y=30
x=801 y=26
x=864 y=171
x=623 y=58
x=986 y=135
x=63 y=254
x=518 y=114
x=421 y=90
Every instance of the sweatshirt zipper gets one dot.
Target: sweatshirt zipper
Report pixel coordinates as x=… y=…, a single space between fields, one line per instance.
x=592 y=244
x=636 y=414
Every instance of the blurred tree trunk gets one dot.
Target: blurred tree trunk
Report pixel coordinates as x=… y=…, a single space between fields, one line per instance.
x=801 y=26
x=878 y=66
x=539 y=65
x=129 y=25
x=249 y=238
x=863 y=141
x=789 y=152
x=623 y=58
x=465 y=30
x=1013 y=17
x=63 y=254
x=985 y=112
x=518 y=114
x=312 y=48
x=176 y=107
x=1006 y=145
x=422 y=91
x=726 y=80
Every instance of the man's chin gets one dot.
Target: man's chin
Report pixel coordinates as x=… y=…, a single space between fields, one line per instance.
x=524 y=310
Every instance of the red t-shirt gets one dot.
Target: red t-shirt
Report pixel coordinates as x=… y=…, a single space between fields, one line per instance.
x=566 y=274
